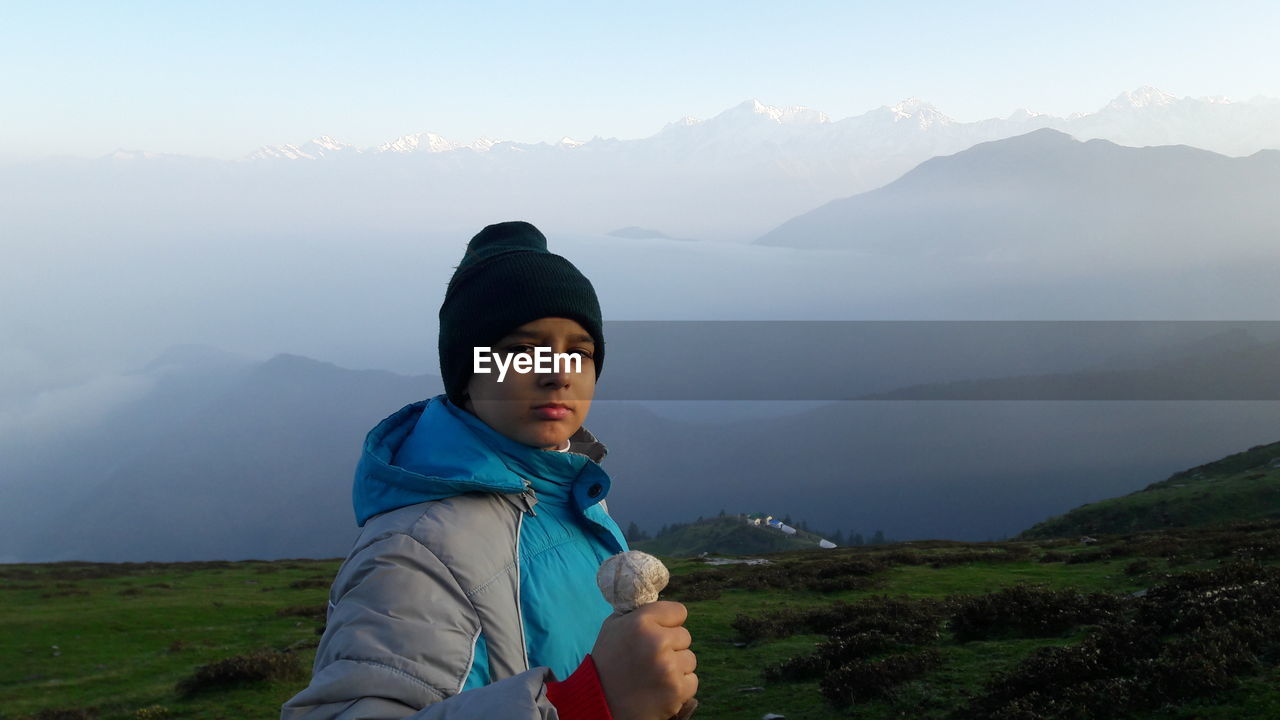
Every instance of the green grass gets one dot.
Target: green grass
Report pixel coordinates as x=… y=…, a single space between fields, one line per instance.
x=132 y=635
x=126 y=634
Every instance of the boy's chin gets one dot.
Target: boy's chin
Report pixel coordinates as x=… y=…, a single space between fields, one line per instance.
x=556 y=440
x=544 y=440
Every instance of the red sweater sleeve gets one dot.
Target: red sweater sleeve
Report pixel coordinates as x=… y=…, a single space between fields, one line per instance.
x=580 y=696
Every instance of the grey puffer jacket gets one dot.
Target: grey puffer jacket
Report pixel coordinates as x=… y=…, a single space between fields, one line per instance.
x=428 y=603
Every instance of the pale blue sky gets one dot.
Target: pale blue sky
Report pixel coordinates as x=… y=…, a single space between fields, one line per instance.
x=222 y=78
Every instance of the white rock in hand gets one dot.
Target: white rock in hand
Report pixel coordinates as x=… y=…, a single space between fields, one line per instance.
x=631 y=579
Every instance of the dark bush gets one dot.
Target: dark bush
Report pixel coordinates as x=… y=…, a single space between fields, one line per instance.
x=243 y=669
x=1016 y=553
x=870 y=679
x=907 y=619
x=315 y=612
x=66 y=714
x=901 y=557
x=1053 y=556
x=1159 y=545
x=693 y=587
x=834 y=571
x=1090 y=556
x=1138 y=567
x=310 y=583
x=825 y=574
x=1029 y=611
x=1189 y=637
x=63 y=593
x=832 y=654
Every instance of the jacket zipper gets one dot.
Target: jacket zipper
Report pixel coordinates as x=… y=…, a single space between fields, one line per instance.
x=529 y=499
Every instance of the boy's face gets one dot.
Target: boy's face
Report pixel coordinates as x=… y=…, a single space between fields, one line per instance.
x=515 y=406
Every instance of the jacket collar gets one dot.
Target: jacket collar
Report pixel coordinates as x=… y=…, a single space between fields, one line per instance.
x=432 y=449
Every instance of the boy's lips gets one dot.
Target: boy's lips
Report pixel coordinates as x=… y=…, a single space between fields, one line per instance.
x=552 y=411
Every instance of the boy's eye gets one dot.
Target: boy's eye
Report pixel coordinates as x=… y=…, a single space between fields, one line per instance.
x=530 y=350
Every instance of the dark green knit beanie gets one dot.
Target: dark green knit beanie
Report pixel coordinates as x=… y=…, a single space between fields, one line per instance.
x=506 y=279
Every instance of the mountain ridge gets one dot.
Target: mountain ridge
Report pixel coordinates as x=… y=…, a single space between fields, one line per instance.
x=1240 y=487
x=914 y=111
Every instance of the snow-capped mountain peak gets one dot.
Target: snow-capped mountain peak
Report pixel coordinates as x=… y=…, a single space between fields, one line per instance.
x=568 y=142
x=1022 y=114
x=754 y=110
x=418 y=142
x=1144 y=97
x=919 y=112
x=279 y=152
x=328 y=143
x=684 y=122
x=313 y=149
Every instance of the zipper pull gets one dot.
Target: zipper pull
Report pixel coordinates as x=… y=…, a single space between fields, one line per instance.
x=528 y=498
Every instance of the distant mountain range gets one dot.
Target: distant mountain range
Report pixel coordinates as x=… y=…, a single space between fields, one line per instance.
x=1144 y=116
x=1046 y=200
x=734 y=176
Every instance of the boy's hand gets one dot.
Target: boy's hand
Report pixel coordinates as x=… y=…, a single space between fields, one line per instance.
x=644 y=662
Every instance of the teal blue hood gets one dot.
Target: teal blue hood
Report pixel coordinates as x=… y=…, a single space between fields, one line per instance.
x=432 y=449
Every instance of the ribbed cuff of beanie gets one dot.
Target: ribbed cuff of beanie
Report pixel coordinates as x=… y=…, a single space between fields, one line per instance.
x=580 y=696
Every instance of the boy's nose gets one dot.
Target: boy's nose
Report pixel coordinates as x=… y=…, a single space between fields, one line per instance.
x=554 y=379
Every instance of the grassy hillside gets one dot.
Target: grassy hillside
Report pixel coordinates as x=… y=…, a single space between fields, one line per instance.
x=1243 y=486
x=933 y=630
x=727 y=535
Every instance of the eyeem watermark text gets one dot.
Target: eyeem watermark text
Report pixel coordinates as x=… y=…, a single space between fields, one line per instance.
x=542 y=360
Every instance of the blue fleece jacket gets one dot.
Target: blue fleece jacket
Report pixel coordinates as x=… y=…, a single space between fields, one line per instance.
x=433 y=449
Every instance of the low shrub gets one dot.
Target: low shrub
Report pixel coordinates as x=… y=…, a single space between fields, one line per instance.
x=1138 y=567
x=904 y=618
x=1000 y=554
x=66 y=714
x=832 y=654
x=1189 y=637
x=63 y=593
x=1091 y=556
x=827 y=574
x=871 y=679
x=243 y=669
x=1029 y=611
x=314 y=612
x=310 y=583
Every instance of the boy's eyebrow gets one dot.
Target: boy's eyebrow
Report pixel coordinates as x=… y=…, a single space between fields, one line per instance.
x=527 y=335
